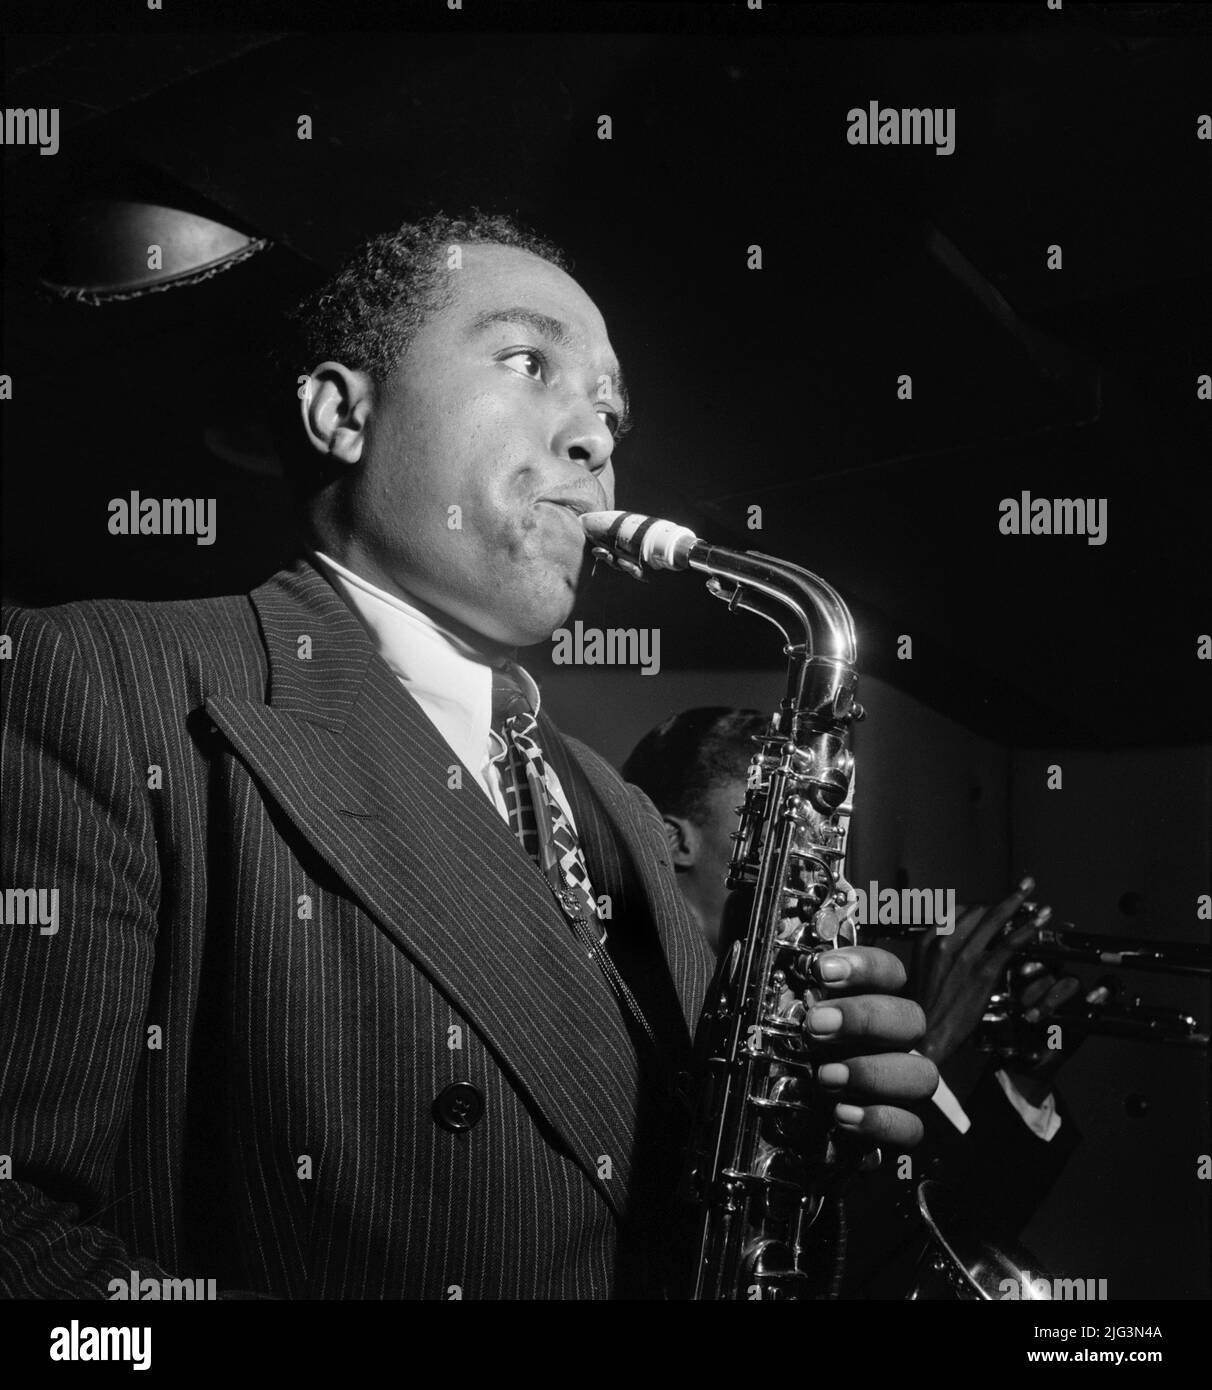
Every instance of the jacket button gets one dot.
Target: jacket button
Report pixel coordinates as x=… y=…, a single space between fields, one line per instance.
x=458 y=1107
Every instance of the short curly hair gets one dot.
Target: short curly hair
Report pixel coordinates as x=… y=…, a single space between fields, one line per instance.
x=368 y=313
x=683 y=760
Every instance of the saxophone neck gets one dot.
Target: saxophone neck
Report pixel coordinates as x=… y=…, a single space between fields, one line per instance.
x=808 y=611
x=817 y=628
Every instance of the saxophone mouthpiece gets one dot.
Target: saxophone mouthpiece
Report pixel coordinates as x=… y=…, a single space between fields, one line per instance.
x=630 y=539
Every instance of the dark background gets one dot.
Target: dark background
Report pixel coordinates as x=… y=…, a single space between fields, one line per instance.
x=774 y=388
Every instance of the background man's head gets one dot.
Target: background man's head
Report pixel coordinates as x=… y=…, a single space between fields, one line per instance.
x=459 y=411
x=694 y=767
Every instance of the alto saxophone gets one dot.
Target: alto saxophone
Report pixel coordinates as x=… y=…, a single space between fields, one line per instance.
x=765 y=1160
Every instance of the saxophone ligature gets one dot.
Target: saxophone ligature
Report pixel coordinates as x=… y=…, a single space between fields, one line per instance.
x=765 y=1161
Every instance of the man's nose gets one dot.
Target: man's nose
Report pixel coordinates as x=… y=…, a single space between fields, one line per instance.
x=585 y=438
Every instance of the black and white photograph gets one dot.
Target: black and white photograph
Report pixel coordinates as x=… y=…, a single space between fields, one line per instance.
x=606 y=667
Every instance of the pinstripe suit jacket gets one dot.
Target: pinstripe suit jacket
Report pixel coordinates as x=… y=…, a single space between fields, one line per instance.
x=274 y=953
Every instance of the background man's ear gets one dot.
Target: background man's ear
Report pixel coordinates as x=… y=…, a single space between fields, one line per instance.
x=683 y=839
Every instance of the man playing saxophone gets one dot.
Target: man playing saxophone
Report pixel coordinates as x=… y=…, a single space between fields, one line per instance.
x=331 y=882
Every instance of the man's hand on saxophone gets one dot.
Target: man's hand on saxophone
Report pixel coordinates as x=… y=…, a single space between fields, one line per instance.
x=867 y=1029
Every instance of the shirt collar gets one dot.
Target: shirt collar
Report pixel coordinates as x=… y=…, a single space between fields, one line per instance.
x=440 y=669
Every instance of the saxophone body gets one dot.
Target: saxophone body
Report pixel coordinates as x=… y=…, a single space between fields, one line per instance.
x=764 y=1159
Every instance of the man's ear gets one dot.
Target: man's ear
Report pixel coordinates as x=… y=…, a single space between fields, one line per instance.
x=684 y=840
x=335 y=403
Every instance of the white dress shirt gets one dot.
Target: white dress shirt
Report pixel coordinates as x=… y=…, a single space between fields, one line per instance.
x=1042 y=1120
x=449 y=679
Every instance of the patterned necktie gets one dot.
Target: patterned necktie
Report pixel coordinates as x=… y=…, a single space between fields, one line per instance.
x=510 y=704
x=539 y=822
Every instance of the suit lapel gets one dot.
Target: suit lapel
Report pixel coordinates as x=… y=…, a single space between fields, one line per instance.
x=691 y=962
x=358 y=768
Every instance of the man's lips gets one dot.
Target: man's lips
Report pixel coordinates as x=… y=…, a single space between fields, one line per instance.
x=576 y=505
x=573 y=508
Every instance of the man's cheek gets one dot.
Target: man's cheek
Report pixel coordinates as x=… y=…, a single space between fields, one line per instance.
x=503 y=545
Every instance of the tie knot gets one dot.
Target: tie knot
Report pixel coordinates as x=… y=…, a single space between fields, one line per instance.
x=508 y=700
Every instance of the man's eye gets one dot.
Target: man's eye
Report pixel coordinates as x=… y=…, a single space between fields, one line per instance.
x=529 y=359
x=612 y=422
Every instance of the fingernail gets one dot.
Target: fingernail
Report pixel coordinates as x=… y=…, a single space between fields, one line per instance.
x=1042 y=916
x=834 y=1075
x=848 y=1115
x=822 y=1021
x=1026 y=885
x=834 y=967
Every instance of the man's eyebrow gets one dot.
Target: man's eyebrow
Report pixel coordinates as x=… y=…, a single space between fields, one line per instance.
x=554 y=330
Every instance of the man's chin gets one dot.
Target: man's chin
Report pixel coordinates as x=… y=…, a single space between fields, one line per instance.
x=539 y=627
x=516 y=614
x=543 y=605
x=501 y=628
